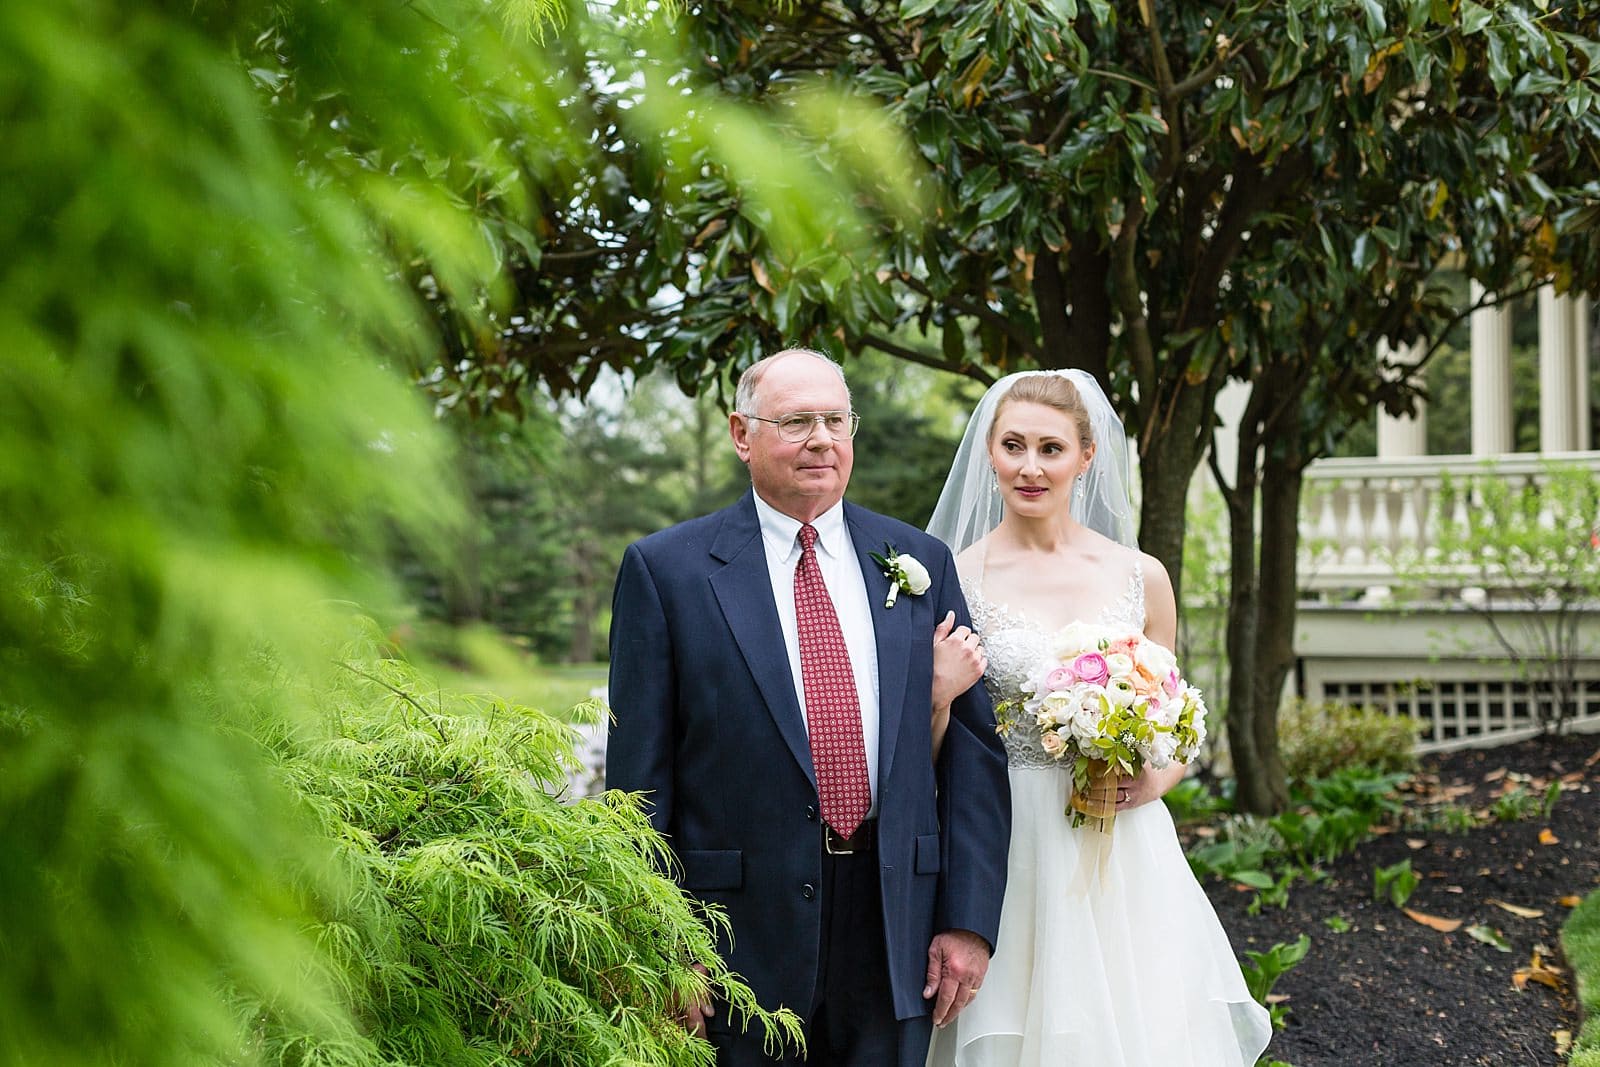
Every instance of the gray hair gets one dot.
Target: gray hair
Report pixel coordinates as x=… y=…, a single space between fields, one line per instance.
x=745 y=398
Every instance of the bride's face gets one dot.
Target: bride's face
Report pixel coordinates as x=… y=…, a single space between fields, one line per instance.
x=1037 y=457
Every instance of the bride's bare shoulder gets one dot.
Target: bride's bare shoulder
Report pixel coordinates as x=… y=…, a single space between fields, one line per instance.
x=969 y=564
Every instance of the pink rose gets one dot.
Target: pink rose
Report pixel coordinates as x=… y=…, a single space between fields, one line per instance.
x=1123 y=645
x=1091 y=667
x=1059 y=678
x=1052 y=743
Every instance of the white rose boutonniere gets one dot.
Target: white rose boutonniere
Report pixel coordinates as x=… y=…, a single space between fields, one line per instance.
x=904 y=573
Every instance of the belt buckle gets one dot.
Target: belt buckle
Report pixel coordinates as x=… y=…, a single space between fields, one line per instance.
x=845 y=848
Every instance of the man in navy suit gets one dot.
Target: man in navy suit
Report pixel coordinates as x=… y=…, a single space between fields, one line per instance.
x=754 y=654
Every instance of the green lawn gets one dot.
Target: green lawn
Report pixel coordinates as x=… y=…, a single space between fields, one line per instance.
x=1580 y=940
x=482 y=661
x=551 y=688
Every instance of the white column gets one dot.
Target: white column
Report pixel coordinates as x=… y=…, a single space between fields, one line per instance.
x=1580 y=370
x=1557 y=380
x=1491 y=378
x=1402 y=438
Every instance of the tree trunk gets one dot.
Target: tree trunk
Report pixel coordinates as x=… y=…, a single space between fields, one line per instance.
x=580 y=646
x=1281 y=482
x=1243 y=619
x=1167 y=462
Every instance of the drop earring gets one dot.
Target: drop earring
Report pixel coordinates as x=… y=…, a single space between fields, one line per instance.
x=994 y=480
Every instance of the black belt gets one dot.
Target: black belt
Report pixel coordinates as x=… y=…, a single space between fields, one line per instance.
x=863 y=840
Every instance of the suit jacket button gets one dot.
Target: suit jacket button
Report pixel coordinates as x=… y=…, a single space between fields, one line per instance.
x=811 y=813
x=808 y=890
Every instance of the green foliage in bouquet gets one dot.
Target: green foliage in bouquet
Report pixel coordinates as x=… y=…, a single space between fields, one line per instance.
x=1319 y=740
x=486 y=922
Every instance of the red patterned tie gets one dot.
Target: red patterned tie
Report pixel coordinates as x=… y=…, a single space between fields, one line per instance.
x=833 y=711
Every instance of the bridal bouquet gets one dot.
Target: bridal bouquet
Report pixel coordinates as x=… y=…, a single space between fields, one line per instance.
x=1113 y=703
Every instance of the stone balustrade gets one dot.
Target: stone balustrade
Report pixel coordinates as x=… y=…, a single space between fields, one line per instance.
x=1365 y=523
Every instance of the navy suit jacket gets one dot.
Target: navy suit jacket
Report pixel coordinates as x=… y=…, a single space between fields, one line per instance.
x=707 y=725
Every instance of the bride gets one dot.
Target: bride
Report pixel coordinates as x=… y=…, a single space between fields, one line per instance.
x=1109 y=953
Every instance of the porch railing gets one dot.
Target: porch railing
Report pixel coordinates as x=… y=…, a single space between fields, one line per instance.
x=1364 y=523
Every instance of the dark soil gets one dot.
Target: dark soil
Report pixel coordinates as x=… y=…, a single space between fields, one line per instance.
x=1391 y=990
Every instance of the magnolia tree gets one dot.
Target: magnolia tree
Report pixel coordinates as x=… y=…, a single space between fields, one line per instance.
x=1170 y=195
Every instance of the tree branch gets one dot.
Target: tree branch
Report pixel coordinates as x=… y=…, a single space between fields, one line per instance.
x=977 y=309
x=911 y=355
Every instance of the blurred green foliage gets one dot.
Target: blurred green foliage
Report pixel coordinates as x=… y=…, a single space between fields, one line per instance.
x=229 y=233
x=1580 y=942
x=1322 y=739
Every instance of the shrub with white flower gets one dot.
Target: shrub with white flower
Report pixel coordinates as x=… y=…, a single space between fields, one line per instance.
x=1111 y=696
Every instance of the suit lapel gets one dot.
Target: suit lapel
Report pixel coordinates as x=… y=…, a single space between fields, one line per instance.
x=892 y=632
x=743 y=589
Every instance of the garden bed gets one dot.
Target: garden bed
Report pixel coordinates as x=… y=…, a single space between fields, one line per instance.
x=1382 y=987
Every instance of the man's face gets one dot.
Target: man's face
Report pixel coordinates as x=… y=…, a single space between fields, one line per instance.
x=802 y=479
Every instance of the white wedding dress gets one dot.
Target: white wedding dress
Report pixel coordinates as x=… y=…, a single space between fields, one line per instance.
x=1109 y=955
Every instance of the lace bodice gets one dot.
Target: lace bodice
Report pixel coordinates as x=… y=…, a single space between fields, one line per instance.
x=1015 y=644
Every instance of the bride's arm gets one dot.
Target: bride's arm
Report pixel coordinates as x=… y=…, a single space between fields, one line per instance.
x=1160 y=606
x=958 y=663
x=1161 y=626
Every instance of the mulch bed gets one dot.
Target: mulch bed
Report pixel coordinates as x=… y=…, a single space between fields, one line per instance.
x=1392 y=990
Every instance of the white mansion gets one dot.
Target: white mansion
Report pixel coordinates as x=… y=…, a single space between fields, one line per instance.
x=1376 y=628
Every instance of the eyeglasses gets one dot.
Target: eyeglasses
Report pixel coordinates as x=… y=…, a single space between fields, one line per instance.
x=800 y=425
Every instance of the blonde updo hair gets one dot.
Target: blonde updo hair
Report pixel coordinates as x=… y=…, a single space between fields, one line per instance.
x=1053 y=391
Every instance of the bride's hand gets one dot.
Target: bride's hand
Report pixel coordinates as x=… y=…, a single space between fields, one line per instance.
x=958 y=663
x=1148 y=785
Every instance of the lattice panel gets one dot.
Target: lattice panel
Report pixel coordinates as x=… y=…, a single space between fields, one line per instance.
x=1455 y=714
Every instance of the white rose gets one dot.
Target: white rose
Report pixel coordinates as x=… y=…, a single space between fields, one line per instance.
x=1089 y=705
x=1120 y=692
x=1058 y=704
x=1155 y=658
x=1085 y=727
x=914 y=574
x=1076 y=637
x=1158 y=753
x=1119 y=664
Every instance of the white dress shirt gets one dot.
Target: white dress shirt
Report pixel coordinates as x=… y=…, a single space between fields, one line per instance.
x=847 y=588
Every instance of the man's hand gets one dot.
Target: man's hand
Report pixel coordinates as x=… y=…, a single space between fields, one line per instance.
x=694 y=1015
x=957 y=962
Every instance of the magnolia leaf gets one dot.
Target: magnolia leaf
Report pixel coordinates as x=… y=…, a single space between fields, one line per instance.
x=1521 y=913
x=758 y=271
x=1489 y=936
x=999 y=203
x=1443 y=925
x=1537 y=971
